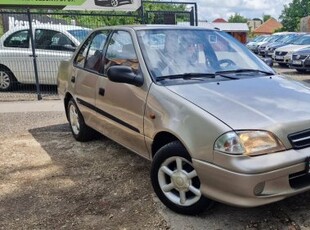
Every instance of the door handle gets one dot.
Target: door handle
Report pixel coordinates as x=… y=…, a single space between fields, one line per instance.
x=73 y=79
x=101 y=91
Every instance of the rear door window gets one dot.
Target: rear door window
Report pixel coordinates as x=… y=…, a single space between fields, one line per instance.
x=18 y=39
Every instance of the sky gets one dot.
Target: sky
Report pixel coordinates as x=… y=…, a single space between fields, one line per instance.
x=212 y=9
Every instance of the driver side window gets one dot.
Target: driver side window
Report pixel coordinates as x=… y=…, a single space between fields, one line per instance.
x=121 y=51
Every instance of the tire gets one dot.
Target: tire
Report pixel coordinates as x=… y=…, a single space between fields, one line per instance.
x=282 y=64
x=173 y=172
x=81 y=132
x=7 y=80
x=114 y=3
x=301 y=70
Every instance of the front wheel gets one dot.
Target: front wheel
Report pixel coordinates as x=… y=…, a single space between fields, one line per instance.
x=176 y=182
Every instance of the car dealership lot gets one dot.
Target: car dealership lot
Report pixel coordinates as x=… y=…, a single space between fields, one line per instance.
x=50 y=181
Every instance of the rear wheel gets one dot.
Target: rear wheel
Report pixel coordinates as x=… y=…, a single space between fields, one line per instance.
x=114 y=3
x=7 y=80
x=79 y=129
x=175 y=181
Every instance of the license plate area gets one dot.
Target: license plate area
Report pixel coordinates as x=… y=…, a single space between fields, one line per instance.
x=296 y=62
x=279 y=57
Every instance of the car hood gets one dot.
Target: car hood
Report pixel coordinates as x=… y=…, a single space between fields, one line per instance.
x=290 y=48
x=278 y=45
x=275 y=44
x=305 y=51
x=253 y=103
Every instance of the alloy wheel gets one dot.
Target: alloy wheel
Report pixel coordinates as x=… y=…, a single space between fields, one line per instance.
x=5 y=80
x=74 y=119
x=114 y=3
x=179 y=181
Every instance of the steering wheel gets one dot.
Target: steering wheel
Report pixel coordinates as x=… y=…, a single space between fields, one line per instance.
x=226 y=63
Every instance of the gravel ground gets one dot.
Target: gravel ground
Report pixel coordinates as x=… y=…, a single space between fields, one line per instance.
x=50 y=181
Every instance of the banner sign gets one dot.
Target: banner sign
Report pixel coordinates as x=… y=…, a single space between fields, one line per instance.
x=107 y=5
x=14 y=20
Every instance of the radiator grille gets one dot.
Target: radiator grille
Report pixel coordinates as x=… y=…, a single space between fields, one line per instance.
x=299 y=57
x=281 y=53
x=300 y=139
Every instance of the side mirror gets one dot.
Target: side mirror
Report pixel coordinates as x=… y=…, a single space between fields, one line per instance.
x=124 y=74
x=69 y=48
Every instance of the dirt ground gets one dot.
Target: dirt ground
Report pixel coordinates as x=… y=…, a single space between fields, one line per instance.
x=50 y=181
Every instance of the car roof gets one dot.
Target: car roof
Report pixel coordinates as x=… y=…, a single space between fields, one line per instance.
x=59 y=27
x=147 y=27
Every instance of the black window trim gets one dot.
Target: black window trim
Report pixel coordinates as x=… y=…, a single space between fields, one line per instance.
x=91 y=36
x=11 y=35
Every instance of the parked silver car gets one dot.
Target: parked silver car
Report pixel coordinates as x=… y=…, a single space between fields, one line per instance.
x=215 y=120
x=53 y=43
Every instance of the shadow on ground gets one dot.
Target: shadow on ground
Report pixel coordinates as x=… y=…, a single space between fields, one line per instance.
x=50 y=181
x=60 y=183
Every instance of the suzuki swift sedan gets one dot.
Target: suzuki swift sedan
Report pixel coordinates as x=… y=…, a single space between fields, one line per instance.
x=216 y=121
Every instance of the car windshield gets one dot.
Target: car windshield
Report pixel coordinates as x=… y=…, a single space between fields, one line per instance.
x=80 y=34
x=259 y=39
x=304 y=40
x=196 y=52
x=290 y=38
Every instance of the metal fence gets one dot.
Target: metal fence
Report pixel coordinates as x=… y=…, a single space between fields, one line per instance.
x=29 y=60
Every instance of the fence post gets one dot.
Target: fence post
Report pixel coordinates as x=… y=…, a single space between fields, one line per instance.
x=196 y=13
x=34 y=56
x=142 y=13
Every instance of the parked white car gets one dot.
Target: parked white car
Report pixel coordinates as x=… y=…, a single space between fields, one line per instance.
x=53 y=43
x=283 y=55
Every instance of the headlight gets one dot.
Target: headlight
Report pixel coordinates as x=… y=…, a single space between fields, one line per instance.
x=249 y=143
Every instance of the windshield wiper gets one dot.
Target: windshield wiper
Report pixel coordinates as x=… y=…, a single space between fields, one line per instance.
x=186 y=76
x=243 y=71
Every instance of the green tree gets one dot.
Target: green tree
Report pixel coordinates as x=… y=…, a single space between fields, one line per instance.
x=237 y=18
x=156 y=18
x=292 y=13
x=266 y=17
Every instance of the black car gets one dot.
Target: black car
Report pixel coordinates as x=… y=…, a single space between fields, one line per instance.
x=113 y=3
x=301 y=60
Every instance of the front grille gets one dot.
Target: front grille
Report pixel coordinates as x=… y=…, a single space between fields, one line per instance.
x=281 y=53
x=300 y=139
x=299 y=57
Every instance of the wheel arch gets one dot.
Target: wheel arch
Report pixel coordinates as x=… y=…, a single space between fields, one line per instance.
x=8 y=69
x=67 y=98
x=161 y=139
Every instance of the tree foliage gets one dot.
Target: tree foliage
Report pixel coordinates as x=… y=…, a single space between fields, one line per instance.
x=95 y=19
x=292 y=13
x=266 y=17
x=237 y=18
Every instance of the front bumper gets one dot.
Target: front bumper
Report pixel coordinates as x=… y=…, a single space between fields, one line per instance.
x=300 y=64
x=282 y=59
x=252 y=189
